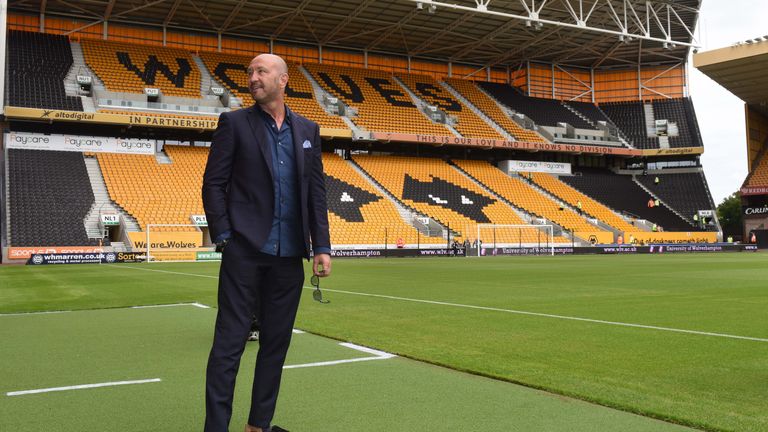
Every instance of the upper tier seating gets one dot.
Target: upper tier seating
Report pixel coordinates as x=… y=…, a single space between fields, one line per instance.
x=622 y=193
x=438 y=190
x=357 y=213
x=685 y=192
x=130 y=68
x=50 y=195
x=37 y=66
x=545 y=112
x=679 y=110
x=155 y=193
x=759 y=175
x=382 y=104
x=231 y=71
x=490 y=108
x=629 y=117
x=468 y=125
x=524 y=196
x=588 y=205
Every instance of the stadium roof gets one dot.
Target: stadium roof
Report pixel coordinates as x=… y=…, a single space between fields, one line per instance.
x=741 y=70
x=586 y=33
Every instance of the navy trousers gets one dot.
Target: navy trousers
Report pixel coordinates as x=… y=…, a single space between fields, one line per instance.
x=251 y=282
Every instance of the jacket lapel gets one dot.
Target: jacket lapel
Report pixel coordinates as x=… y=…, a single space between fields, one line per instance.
x=262 y=141
x=298 y=143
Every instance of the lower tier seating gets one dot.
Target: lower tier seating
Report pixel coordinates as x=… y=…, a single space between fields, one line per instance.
x=49 y=196
x=622 y=193
x=438 y=190
x=358 y=214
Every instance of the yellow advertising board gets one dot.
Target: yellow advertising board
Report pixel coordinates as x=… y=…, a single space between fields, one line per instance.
x=645 y=237
x=596 y=237
x=167 y=241
x=137 y=119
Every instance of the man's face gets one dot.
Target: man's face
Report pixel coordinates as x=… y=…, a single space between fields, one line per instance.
x=266 y=80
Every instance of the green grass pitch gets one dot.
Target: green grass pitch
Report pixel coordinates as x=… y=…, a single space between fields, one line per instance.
x=682 y=338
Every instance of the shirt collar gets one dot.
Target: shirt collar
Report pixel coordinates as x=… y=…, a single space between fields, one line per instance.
x=265 y=116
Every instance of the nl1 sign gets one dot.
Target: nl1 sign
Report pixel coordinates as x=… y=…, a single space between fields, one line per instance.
x=199 y=220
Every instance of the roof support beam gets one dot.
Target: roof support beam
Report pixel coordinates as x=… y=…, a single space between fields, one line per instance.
x=346 y=21
x=232 y=15
x=171 y=12
x=579 y=21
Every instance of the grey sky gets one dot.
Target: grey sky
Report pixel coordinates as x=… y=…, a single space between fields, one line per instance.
x=720 y=113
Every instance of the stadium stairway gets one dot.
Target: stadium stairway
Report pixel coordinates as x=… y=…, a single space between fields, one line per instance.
x=321 y=95
x=79 y=67
x=102 y=203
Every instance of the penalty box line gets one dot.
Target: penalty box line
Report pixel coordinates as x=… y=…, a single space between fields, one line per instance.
x=376 y=355
x=510 y=311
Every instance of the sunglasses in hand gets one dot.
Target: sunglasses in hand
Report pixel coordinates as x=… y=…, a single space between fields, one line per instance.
x=317 y=294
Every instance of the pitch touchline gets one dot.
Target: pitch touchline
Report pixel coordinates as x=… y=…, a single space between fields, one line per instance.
x=512 y=311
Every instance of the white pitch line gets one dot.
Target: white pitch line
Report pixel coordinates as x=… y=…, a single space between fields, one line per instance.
x=377 y=355
x=82 y=386
x=198 y=305
x=518 y=312
x=538 y=314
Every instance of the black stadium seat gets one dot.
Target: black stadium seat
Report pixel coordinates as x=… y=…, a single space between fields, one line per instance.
x=37 y=66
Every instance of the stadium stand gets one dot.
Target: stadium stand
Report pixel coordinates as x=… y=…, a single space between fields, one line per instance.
x=156 y=193
x=230 y=70
x=37 y=66
x=545 y=112
x=685 y=192
x=130 y=68
x=629 y=117
x=357 y=213
x=524 y=196
x=622 y=193
x=680 y=111
x=490 y=108
x=436 y=189
x=468 y=123
x=382 y=104
x=49 y=196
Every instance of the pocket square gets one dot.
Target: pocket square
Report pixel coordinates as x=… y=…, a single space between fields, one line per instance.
x=307 y=144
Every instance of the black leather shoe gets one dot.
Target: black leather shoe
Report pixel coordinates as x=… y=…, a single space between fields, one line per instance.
x=276 y=429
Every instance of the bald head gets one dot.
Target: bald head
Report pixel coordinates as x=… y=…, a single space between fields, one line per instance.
x=267 y=78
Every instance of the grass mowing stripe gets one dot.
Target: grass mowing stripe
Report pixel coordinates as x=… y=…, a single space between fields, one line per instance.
x=512 y=311
x=82 y=386
x=538 y=314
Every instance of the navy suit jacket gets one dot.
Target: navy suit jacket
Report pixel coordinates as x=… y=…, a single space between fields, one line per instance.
x=238 y=194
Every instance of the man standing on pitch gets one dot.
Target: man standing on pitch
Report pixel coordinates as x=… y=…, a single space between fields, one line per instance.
x=264 y=198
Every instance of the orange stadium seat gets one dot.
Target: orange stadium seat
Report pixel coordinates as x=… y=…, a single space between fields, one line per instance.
x=382 y=104
x=436 y=189
x=590 y=206
x=759 y=176
x=230 y=70
x=155 y=193
x=490 y=108
x=468 y=123
x=524 y=196
x=129 y=68
x=358 y=214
